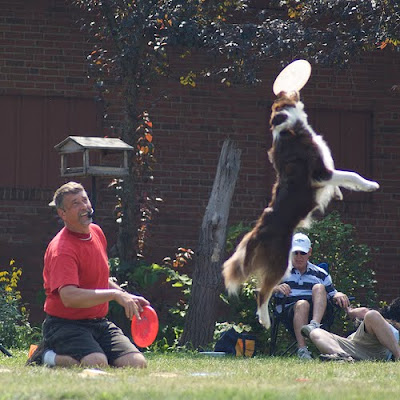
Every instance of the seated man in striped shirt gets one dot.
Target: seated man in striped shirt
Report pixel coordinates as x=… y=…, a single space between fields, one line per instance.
x=305 y=292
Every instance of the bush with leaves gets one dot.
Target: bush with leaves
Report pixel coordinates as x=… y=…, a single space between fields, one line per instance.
x=334 y=242
x=144 y=279
x=15 y=330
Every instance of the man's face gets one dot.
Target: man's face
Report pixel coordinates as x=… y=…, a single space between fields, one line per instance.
x=75 y=211
x=300 y=259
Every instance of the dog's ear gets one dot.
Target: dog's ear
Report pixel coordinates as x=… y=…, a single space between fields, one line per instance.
x=295 y=96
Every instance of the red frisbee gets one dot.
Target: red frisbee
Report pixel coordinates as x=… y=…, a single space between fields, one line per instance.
x=144 y=331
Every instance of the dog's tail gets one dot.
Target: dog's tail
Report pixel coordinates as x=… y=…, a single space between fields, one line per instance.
x=233 y=268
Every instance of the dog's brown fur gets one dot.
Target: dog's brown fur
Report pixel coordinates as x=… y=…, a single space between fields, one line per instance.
x=303 y=168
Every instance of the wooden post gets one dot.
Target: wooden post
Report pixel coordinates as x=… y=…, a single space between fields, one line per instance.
x=207 y=278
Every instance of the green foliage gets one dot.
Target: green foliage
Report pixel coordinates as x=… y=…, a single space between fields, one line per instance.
x=242 y=314
x=172 y=330
x=334 y=242
x=135 y=39
x=143 y=278
x=136 y=277
x=15 y=330
x=233 y=234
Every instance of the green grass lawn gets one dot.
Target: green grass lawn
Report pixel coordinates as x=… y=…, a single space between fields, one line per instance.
x=185 y=376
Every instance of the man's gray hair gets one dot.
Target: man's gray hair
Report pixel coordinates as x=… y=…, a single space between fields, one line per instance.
x=67 y=188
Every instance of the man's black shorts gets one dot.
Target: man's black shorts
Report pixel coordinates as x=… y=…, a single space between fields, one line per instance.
x=288 y=314
x=78 y=338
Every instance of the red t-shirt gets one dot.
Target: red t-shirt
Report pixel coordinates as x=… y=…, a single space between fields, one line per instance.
x=72 y=259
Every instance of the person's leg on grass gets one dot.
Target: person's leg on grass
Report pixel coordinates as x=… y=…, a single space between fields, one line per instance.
x=120 y=351
x=375 y=324
x=325 y=341
x=72 y=343
x=135 y=360
x=94 y=360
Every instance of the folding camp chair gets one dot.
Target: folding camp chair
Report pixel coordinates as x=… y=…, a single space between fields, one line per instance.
x=278 y=319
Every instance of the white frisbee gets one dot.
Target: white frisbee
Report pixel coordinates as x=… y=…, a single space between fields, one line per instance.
x=293 y=77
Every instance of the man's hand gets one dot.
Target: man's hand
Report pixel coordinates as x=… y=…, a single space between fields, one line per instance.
x=358 y=312
x=341 y=300
x=283 y=288
x=132 y=304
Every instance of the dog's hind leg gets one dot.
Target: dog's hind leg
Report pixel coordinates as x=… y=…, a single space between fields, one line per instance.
x=274 y=269
x=353 y=181
x=263 y=314
x=263 y=298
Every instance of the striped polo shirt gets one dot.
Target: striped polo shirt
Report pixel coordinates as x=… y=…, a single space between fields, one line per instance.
x=301 y=284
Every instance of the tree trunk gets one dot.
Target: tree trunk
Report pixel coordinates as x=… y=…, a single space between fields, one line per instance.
x=207 y=278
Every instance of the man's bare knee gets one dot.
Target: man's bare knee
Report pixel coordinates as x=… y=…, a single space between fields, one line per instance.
x=373 y=315
x=135 y=360
x=371 y=319
x=302 y=305
x=317 y=334
x=95 y=360
x=319 y=288
x=65 y=361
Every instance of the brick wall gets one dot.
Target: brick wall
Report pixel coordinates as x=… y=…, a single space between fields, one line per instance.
x=43 y=50
x=43 y=54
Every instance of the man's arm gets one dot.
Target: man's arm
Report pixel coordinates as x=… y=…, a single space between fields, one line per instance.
x=339 y=298
x=75 y=297
x=358 y=312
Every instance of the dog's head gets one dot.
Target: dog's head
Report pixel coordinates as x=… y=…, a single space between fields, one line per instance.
x=286 y=110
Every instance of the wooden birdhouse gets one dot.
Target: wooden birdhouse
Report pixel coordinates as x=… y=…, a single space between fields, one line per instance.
x=100 y=156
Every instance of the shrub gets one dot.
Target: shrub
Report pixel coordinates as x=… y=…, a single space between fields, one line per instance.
x=147 y=279
x=334 y=242
x=15 y=330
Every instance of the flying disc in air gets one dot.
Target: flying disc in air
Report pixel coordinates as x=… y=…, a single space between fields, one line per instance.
x=293 y=77
x=144 y=331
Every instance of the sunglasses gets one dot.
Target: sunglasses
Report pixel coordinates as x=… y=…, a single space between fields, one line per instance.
x=296 y=253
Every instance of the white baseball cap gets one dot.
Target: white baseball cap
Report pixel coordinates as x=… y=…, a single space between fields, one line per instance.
x=301 y=242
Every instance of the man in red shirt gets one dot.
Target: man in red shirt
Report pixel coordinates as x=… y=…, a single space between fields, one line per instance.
x=78 y=290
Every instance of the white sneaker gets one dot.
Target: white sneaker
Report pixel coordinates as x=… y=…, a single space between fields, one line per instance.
x=304 y=354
